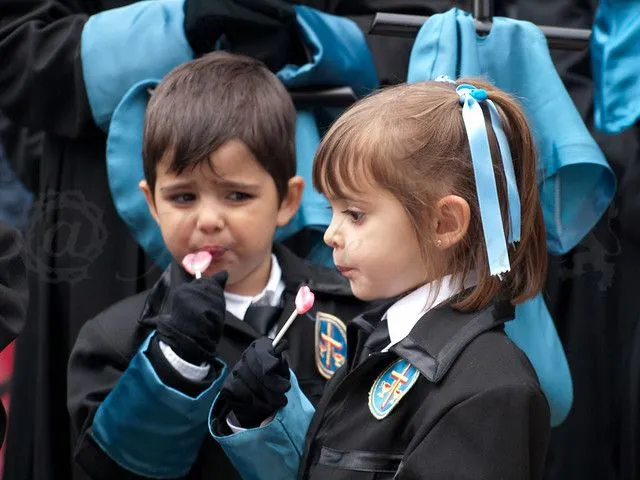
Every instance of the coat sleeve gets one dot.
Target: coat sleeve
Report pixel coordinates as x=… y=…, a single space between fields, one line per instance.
x=14 y=293
x=41 y=84
x=273 y=450
x=71 y=67
x=130 y=425
x=500 y=433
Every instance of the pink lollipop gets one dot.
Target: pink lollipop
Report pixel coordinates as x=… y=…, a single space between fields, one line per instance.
x=304 y=302
x=196 y=263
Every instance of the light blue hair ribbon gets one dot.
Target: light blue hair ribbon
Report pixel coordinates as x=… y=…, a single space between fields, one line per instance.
x=490 y=214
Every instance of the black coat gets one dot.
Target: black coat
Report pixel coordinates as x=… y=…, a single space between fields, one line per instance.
x=107 y=343
x=475 y=410
x=80 y=254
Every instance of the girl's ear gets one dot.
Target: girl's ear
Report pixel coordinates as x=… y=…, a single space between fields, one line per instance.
x=452 y=221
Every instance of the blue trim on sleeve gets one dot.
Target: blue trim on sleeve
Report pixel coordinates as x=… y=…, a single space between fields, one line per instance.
x=273 y=450
x=123 y=46
x=340 y=55
x=151 y=429
x=615 y=37
x=534 y=332
x=125 y=171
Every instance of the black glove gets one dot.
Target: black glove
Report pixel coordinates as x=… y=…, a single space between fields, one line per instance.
x=262 y=29
x=255 y=389
x=194 y=327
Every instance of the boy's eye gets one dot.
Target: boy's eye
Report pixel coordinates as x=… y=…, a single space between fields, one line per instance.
x=183 y=198
x=356 y=215
x=239 y=196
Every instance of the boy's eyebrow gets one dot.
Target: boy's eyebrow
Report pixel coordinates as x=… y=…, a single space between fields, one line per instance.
x=177 y=185
x=221 y=183
x=236 y=184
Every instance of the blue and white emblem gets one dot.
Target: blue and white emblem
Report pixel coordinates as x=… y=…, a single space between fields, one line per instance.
x=390 y=387
x=331 y=344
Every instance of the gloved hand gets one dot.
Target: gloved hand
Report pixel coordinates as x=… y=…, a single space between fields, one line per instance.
x=194 y=327
x=262 y=29
x=256 y=387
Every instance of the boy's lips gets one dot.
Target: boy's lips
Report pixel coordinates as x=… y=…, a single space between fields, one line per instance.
x=216 y=251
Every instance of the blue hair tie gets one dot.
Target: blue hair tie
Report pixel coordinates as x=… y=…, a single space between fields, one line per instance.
x=465 y=89
x=490 y=214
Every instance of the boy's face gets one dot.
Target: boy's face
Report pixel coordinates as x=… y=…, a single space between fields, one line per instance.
x=374 y=245
x=229 y=207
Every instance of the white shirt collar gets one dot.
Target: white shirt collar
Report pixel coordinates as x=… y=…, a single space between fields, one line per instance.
x=237 y=305
x=403 y=315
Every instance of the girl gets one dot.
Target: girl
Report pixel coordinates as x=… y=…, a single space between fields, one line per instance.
x=435 y=204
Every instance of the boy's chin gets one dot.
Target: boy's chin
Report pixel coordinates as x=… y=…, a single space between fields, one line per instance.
x=213 y=269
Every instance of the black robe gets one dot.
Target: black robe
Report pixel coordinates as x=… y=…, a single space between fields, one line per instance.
x=592 y=293
x=80 y=255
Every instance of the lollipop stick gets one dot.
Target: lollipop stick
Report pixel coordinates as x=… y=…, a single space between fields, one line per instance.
x=198 y=274
x=284 y=328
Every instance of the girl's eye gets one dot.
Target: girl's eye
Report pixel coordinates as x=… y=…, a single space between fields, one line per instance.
x=356 y=216
x=239 y=196
x=183 y=198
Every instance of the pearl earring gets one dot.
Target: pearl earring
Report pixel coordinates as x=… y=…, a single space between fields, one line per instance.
x=438 y=243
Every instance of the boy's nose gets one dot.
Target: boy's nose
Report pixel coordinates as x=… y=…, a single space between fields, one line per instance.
x=210 y=219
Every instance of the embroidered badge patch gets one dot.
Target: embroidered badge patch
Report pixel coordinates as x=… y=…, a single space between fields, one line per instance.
x=331 y=344
x=390 y=386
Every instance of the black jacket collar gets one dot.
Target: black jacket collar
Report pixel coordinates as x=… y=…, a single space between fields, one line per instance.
x=443 y=333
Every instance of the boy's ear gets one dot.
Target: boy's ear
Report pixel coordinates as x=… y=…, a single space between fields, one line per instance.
x=291 y=201
x=148 y=195
x=452 y=222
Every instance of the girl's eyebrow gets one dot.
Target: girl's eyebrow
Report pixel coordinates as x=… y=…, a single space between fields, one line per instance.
x=352 y=199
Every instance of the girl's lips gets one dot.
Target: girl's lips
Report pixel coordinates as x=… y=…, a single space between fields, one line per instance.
x=344 y=270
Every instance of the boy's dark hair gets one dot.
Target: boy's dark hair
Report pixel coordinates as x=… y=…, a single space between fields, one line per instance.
x=202 y=104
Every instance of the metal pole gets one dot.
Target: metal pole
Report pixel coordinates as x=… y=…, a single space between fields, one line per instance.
x=330 y=97
x=399 y=25
x=483 y=10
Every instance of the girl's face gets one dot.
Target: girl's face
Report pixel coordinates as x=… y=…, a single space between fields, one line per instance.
x=374 y=245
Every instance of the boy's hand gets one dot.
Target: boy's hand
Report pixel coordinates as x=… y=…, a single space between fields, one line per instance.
x=262 y=29
x=195 y=325
x=256 y=387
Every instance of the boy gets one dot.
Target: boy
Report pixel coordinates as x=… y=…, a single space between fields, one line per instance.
x=220 y=168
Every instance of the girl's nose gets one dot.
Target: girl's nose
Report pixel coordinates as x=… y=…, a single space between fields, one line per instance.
x=332 y=236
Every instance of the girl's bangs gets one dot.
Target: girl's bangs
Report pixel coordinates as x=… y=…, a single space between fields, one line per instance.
x=349 y=160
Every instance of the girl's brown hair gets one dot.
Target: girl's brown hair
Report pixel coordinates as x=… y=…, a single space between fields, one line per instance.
x=410 y=139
